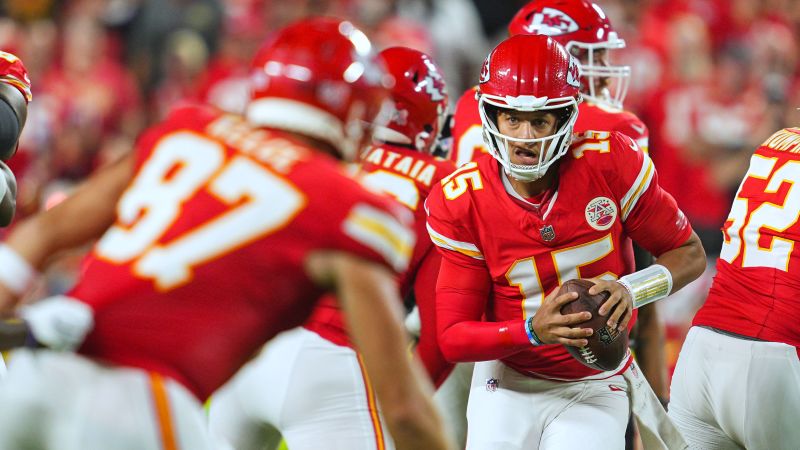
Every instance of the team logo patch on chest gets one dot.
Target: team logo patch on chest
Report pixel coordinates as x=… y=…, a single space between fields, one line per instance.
x=601 y=213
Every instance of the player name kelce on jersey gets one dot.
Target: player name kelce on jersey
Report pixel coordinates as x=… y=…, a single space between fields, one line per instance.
x=280 y=154
x=414 y=168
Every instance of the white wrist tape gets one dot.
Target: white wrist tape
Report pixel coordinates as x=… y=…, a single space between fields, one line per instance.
x=648 y=285
x=16 y=273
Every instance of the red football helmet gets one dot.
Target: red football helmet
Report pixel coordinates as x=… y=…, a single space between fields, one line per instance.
x=420 y=99
x=583 y=28
x=319 y=77
x=529 y=73
x=13 y=72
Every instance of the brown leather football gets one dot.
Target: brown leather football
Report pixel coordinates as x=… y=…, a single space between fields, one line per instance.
x=607 y=347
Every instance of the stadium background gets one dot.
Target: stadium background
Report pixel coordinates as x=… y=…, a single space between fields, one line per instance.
x=711 y=78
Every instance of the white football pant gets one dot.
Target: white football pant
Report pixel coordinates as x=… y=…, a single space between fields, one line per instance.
x=311 y=390
x=510 y=411
x=63 y=401
x=731 y=393
x=451 y=401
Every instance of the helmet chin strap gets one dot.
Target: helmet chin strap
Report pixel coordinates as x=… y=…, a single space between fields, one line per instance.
x=525 y=179
x=529 y=173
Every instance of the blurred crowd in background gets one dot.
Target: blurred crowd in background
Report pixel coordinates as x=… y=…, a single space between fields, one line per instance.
x=711 y=79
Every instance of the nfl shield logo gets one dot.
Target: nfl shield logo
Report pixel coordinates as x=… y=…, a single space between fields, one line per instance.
x=607 y=336
x=492 y=384
x=548 y=233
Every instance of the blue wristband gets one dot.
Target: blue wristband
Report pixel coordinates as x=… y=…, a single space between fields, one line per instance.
x=531 y=333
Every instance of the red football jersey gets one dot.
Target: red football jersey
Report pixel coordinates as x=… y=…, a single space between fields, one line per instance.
x=467 y=130
x=596 y=116
x=756 y=291
x=407 y=176
x=468 y=142
x=205 y=261
x=607 y=192
x=13 y=73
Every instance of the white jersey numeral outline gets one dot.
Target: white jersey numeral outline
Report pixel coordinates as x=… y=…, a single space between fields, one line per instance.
x=470 y=145
x=524 y=275
x=181 y=164
x=402 y=189
x=744 y=232
x=592 y=141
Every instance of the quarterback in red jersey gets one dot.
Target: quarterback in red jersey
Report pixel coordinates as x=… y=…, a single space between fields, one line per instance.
x=584 y=29
x=737 y=381
x=308 y=384
x=512 y=226
x=15 y=93
x=226 y=232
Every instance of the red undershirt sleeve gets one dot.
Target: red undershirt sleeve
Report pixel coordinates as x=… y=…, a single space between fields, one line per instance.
x=428 y=350
x=462 y=291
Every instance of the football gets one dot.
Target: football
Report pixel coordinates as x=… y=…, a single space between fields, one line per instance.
x=607 y=347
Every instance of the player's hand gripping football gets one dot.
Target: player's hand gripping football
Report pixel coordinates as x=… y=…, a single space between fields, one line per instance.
x=552 y=327
x=619 y=303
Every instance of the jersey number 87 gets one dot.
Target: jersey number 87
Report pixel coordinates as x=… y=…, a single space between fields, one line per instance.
x=180 y=165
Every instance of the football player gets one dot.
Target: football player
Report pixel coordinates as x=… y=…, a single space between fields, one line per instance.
x=584 y=29
x=15 y=93
x=545 y=207
x=737 y=381
x=223 y=232
x=309 y=383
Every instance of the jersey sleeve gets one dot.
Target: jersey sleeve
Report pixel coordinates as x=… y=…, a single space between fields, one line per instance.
x=649 y=214
x=13 y=73
x=446 y=228
x=375 y=228
x=634 y=128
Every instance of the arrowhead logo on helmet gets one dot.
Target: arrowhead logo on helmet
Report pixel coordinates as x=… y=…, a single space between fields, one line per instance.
x=574 y=72
x=434 y=91
x=551 y=22
x=485 y=69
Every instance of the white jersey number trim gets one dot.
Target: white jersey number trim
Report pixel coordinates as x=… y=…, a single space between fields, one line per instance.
x=744 y=233
x=181 y=164
x=524 y=275
x=402 y=189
